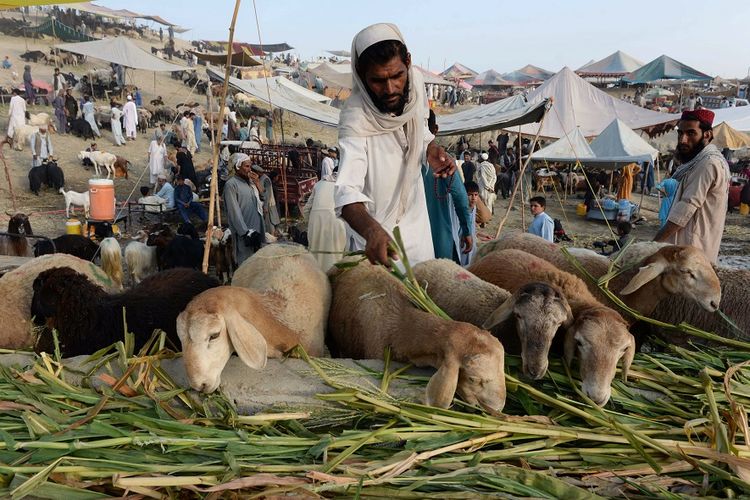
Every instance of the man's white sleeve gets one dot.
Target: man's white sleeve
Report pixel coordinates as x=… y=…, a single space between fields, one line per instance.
x=350 y=183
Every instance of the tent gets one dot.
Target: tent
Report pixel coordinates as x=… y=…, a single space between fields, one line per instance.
x=738 y=118
x=577 y=103
x=332 y=74
x=458 y=70
x=521 y=79
x=727 y=137
x=120 y=50
x=489 y=78
x=15 y=4
x=618 y=145
x=569 y=148
x=284 y=95
x=535 y=72
x=617 y=64
x=664 y=68
x=340 y=53
x=431 y=78
x=240 y=58
x=658 y=92
x=504 y=113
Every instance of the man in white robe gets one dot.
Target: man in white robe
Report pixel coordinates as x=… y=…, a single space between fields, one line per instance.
x=327 y=165
x=383 y=140
x=16 y=113
x=326 y=232
x=130 y=117
x=486 y=178
x=117 y=125
x=89 y=114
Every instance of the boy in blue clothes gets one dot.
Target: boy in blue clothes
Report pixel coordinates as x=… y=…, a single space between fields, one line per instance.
x=542 y=225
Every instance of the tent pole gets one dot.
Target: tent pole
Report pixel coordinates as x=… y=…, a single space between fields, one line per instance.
x=523 y=187
x=215 y=153
x=523 y=168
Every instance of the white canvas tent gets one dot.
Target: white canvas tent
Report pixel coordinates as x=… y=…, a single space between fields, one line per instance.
x=339 y=75
x=618 y=145
x=577 y=103
x=738 y=118
x=568 y=149
x=618 y=63
x=504 y=113
x=284 y=96
x=122 y=51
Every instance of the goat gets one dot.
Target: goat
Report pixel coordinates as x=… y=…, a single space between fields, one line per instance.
x=55 y=175
x=88 y=319
x=281 y=299
x=121 y=167
x=71 y=244
x=538 y=310
x=221 y=253
x=81 y=128
x=37 y=177
x=76 y=199
x=599 y=334
x=42 y=119
x=371 y=310
x=140 y=258
x=111 y=257
x=15 y=242
x=100 y=159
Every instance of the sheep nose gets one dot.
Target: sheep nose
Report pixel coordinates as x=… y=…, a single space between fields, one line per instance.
x=714 y=305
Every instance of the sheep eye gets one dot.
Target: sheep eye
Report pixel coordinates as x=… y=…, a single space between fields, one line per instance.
x=214 y=336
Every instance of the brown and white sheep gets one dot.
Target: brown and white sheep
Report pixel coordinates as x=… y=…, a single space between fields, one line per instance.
x=537 y=309
x=371 y=311
x=280 y=299
x=598 y=333
x=16 y=293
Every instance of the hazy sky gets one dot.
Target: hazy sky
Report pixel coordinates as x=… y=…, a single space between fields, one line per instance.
x=483 y=34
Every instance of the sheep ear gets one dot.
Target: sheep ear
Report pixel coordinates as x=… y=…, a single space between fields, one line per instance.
x=501 y=314
x=569 y=352
x=442 y=386
x=248 y=342
x=645 y=274
x=569 y=319
x=627 y=359
x=182 y=328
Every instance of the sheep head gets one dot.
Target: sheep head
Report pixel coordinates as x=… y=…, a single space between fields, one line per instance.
x=540 y=309
x=211 y=328
x=19 y=224
x=683 y=270
x=474 y=368
x=601 y=338
x=48 y=287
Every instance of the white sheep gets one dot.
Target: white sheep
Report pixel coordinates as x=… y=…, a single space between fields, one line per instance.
x=16 y=292
x=537 y=309
x=21 y=135
x=280 y=299
x=100 y=159
x=598 y=333
x=652 y=271
x=371 y=311
x=110 y=254
x=140 y=258
x=74 y=199
x=42 y=119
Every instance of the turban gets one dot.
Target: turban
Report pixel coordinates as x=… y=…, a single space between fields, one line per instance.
x=239 y=159
x=702 y=115
x=485 y=156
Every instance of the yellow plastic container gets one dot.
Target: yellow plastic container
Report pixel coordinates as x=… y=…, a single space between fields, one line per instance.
x=73 y=226
x=744 y=209
x=581 y=210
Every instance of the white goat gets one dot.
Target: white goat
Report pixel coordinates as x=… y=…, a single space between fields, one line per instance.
x=285 y=303
x=100 y=159
x=22 y=134
x=111 y=258
x=76 y=199
x=140 y=258
x=42 y=119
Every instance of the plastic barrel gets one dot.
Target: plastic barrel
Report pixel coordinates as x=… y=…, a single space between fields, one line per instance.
x=102 y=194
x=73 y=226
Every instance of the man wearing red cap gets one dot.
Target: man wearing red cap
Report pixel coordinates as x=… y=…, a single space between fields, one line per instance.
x=700 y=204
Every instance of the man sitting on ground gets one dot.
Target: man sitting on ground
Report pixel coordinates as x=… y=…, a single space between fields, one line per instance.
x=542 y=225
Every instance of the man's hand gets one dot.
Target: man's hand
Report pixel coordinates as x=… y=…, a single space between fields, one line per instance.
x=378 y=247
x=666 y=232
x=467 y=243
x=441 y=162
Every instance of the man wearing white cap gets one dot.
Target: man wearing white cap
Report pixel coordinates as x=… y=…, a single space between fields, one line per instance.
x=245 y=207
x=383 y=140
x=486 y=178
x=130 y=118
x=41 y=146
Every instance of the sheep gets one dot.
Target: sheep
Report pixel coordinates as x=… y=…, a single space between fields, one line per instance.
x=16 y=293
x=21 y=135
x=140 y=258
x=371 y=310
x=15 y=242
x=598 y=333
x=71 y=244
x=42 y=119
x=280 y=298
x=37 y=177
x=121 y=167
x=76 y=199
x=81 y=128
x=55 y=175
x=538 y=309
x=100 y=159
x=221 y=253
x=652 y=271
x=111 y=257
x=87 y=318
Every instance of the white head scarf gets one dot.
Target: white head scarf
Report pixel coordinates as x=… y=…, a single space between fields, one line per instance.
x=361 y=118
x=239 y=159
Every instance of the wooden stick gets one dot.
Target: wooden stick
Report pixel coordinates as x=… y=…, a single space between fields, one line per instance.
x=520 y=175
x=7 y=174
x=216 y=143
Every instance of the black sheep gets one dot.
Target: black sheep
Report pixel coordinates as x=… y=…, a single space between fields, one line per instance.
x=55 y=175
x=37 y=177
x=183 y=252
x=81 y=128
x=71 y=244
x=88 y=319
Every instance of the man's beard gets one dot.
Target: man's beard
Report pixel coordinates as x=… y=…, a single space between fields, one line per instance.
x=398 y=108
x=689 y=155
